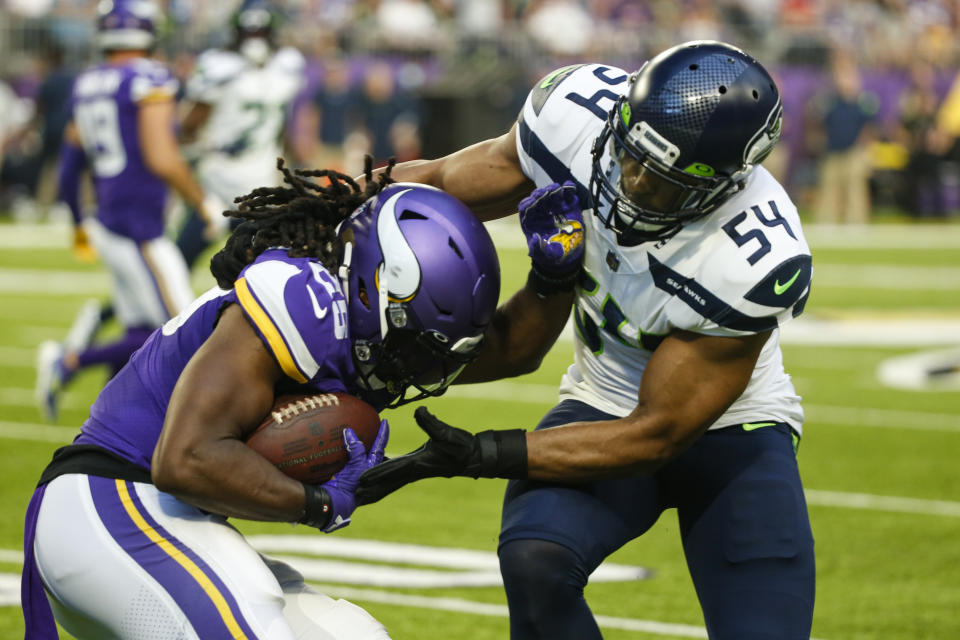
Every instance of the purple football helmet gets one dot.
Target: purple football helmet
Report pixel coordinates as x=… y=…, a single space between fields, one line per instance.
x=126 y=24
x=422 y=280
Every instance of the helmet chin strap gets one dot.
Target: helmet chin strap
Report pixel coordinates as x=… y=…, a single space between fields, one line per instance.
x=382 y=299
x=344 y=274
x=255 y=50
x=344 y=271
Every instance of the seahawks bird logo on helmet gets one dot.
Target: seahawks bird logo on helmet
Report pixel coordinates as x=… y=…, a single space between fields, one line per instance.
x=694 y=122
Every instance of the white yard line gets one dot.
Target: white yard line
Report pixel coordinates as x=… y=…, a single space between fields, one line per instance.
x=506 y=234
x=43 y=282
x=13 y=556
x=886 y=276
x=546 y=395
x=876 y=331
x=870 y=502
x=460 y=605
x=10 y=597
x=64 y=435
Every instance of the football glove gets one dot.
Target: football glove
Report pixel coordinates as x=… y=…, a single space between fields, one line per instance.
x=552 y=221
x=449 y=452
x=212 y=214
x=330 y=505
x=82 y=249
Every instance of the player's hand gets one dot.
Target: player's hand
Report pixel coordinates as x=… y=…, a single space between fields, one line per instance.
x=448 y=452
x=342 y=486
x=82 y=249
x=216 y=222
x=552 y=220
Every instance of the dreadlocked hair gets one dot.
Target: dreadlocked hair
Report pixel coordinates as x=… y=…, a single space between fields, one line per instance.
x=301 y=217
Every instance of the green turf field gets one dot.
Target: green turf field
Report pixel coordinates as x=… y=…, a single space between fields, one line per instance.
x=879 y=463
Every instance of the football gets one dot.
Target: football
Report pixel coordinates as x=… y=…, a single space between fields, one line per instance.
x=303 y=434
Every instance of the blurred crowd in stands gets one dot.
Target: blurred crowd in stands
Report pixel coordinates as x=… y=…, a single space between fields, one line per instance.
x=870 y=89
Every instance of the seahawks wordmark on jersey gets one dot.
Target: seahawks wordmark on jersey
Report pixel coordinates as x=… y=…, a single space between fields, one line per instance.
x=745 y=268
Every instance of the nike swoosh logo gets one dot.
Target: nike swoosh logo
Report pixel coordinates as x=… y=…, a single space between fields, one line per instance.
x=750 y=426
x=321 y=313
x=550 y=78
x=780 y=288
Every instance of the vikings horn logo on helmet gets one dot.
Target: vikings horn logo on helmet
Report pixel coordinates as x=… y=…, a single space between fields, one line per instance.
x=399 y=271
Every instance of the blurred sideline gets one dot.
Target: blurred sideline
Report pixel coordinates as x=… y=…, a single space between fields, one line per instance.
x=816 y=327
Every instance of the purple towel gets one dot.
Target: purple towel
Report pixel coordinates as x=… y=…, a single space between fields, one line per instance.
x=37 y=616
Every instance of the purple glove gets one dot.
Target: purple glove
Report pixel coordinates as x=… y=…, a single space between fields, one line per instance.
x=552 y=220
x=342 y=486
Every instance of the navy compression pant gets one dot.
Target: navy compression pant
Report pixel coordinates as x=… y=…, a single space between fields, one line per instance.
x=743 y=521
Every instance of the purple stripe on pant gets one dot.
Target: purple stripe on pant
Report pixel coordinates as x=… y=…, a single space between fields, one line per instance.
x=37 y=616
x=196 y=602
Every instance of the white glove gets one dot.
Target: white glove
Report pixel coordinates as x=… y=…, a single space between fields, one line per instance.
x=213 y=208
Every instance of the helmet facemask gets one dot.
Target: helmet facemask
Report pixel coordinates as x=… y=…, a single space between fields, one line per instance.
x=254 y=27
x=410 y=359
x=649 y=198
x=694 y=122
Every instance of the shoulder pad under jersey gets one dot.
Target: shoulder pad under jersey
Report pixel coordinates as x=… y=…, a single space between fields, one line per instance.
x=758 y=264
x=562 y=117
x=152 y=81
x=289 y=60
x=214 y=68
x=296 y=307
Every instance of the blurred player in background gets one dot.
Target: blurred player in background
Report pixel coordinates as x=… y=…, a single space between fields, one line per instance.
x=677 y=396
x=240 y=100
x=122 y=129
x=127 y=535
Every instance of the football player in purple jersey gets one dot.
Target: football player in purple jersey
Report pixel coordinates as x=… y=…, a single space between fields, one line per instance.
x=385 y=292
x=122 y=130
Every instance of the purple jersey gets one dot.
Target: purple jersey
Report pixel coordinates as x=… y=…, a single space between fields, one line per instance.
x=106 y=98
x=295 y=306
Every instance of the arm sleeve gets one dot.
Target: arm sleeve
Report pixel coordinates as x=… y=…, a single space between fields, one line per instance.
x=72 y=162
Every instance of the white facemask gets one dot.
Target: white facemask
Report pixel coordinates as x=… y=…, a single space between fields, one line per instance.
x=256 y=50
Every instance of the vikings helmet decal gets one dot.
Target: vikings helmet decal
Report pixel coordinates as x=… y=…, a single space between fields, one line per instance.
x=422 y=281
x=400 y=268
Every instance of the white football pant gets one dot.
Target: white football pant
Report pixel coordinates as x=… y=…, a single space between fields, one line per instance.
x=151 y=280
x=122 y=560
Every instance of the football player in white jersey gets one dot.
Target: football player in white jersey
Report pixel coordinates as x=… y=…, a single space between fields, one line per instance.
x=677 y=396
x=239 y=100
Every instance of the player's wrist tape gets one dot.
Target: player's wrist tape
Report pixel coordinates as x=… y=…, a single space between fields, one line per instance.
x=500 y=453
x=546 y=285
x=318 y=508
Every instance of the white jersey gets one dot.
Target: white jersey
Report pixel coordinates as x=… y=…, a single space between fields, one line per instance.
x=745 y=268
x=241 y=140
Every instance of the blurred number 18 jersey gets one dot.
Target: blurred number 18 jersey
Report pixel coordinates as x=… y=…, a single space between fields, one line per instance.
x=106 y=100
x=744 y=268
x=241 y=139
